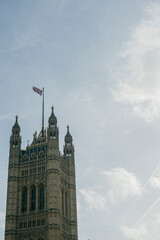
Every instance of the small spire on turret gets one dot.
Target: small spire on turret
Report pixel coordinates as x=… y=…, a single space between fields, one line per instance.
x=68 y=147
x=16 y=127
x=68 y=136
x=52 y=119
x=53 y=131
x=15 y=140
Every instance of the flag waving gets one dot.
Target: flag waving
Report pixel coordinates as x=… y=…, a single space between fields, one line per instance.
x=37 y=90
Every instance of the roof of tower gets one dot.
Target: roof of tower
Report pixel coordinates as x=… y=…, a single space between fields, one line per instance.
x=52 y=116
x=68 y=135
x=16 y=125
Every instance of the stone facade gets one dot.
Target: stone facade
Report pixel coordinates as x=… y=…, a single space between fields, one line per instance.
x=41 y=194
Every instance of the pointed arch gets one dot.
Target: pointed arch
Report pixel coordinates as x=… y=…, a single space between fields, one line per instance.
x=32 y=198
x=24 y=199
x=41 y=196
x=54 y=134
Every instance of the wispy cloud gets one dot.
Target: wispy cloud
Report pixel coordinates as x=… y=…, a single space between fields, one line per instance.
x=7 y=116
x=139 y=81
x=155 y=180
x=10 y=116
x=25 y=42
x=94 y=200
x=147 y=227
x=137 y=233
x=123 y=184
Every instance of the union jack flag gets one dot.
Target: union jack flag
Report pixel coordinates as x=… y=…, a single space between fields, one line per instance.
x=37 y=90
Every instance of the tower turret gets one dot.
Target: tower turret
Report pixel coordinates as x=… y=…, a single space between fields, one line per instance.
x=13 y=174
x=53 y=131
x=68 y=147
x=69 y=158
x=15 y=139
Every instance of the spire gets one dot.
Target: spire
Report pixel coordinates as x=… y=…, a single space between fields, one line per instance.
x=34 y=138
x=16 y=127
x=53 y=131
x=68 y=147
x=15 y=139
x=68 y=137
x=52 y=119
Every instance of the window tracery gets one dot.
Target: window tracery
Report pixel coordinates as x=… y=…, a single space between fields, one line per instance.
x=24 y=199
x=41 y=196
x=33 y=198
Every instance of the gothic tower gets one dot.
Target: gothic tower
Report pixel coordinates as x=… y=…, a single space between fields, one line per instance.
x=41 y=195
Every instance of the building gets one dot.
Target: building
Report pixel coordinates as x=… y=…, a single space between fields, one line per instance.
x=41 y=195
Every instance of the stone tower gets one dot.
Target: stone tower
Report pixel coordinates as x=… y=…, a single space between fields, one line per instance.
x=41 y=195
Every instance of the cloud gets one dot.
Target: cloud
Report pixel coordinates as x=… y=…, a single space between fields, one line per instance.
x=25 y=42
x=147 y=227
x=94 y=200
x=5 y=117
x=123 y=184
x=155 y=180
x=136 y=233
x=139 y=74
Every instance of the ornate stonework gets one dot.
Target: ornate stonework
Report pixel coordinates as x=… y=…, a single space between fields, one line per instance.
x=41 y=195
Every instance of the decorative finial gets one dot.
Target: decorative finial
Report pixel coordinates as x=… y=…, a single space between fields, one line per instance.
x=35 y=134
x=52 y=109
x=68 y=127
x=16 y=116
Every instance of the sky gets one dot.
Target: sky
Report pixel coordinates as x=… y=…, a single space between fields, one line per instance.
x=98 y=61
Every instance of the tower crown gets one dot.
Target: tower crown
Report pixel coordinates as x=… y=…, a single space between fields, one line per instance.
x=52 y=121
x=68 y=137
x=68 y=147
x=16 y=128
x=53 y=131
x=15 y=139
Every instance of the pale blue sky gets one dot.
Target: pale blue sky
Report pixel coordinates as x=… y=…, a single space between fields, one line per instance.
x=99 y=64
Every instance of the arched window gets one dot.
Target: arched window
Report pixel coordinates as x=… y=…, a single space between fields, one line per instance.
x=67 y=152
x=68 y=143
x=33 y=198
x=51 y=135
x=52 y=125
x=15 y=144
x=41 y=196
x=24 y=200
x=54 y=135
x=62 y=202
x=66 y=204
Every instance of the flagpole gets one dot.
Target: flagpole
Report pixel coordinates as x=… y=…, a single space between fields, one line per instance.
x=43 y=109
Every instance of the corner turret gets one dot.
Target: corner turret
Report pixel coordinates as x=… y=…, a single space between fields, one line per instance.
x=53 y=131
x=15 y=139
x=68 y=147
